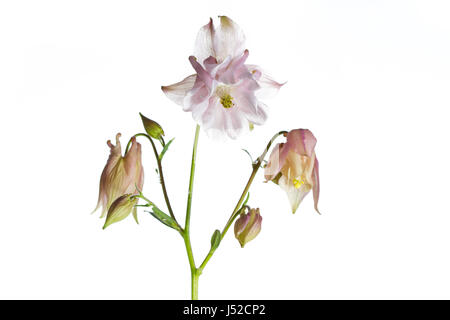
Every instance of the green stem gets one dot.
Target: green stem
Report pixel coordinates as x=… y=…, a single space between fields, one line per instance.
x=194 y=285
x=160 y=170
x=191 y=181
x=186 y=232
x=236 y=210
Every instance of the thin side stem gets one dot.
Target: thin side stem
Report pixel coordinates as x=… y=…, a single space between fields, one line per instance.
x=160 y=171
x=236 y=210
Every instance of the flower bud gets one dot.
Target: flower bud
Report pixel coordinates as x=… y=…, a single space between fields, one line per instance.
x=248 y=226
x=120 y=209
x=153 y=129
x=121 y=175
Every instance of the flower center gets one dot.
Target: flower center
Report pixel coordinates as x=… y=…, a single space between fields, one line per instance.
x=226 y=101
x=298 y=183
x=225 y=98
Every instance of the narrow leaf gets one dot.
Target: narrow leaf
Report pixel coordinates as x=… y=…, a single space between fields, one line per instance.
x=163 y=218
x=166 y=146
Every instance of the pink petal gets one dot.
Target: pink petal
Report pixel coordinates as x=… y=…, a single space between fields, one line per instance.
x=177 y=92
x=210 y=63
x=275 y=163
x=235 y=70
x=268 y=86
x=302 y=141
x=196 y=97
x=202 y=74
x=316 y=185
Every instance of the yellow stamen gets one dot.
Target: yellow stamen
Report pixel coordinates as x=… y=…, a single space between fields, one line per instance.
x=226 y=101
x=298 y=183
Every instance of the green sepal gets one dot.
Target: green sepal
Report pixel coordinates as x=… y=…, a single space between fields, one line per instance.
x=153 y=129
x=215 y=239
x=135 y=216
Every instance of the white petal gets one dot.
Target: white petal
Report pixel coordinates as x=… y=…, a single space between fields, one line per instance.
x=177 y=91
x=229 y=39
x=204 y=42
x=295 y=195
x=235 y=122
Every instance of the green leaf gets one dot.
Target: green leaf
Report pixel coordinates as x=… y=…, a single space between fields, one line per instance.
x=153 y=129
x=166 y=146
x=215 y=240
x=164 y=218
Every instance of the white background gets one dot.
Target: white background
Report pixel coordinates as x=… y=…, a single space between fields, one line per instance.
x=369 y=78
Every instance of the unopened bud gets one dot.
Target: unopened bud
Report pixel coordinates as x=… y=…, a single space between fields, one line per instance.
x=248 y=226
x=120 y=209
x=153 y=129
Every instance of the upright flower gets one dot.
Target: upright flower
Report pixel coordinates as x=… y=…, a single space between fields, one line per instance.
x=223 y=96
x=294 y=167
x=121 y=175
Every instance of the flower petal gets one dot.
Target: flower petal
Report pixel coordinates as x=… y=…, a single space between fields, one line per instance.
x=302 y=141
x=235 y=70
x=268 y=87
x=295 y=195
x=235 y=122
x=275 y=163
x=204 y=43
x=316 y=185
x=247 y=104
x=113 y=159
x=202 y=74
x=177 y=91
x=229 y=39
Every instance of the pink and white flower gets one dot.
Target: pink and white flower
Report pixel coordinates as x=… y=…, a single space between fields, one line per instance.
x=223 y=96
x=294 y=167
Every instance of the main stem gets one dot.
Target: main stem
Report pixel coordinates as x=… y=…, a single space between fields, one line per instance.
x=186 y=232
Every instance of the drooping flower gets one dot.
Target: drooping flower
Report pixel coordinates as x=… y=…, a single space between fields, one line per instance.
x=121 y=175
x=248 y=226
x=294 y=167
x=223 y=96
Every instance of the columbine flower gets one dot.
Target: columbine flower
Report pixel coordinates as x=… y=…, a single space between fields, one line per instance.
x=248 y=226
x=294 y=167
x=223 y=95
x=121 y=175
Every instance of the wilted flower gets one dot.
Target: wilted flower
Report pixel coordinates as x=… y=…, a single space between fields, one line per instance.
x=248 y=226
x=121 y=175
x=224 y=94
x=294 y=167
x=120 y=209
